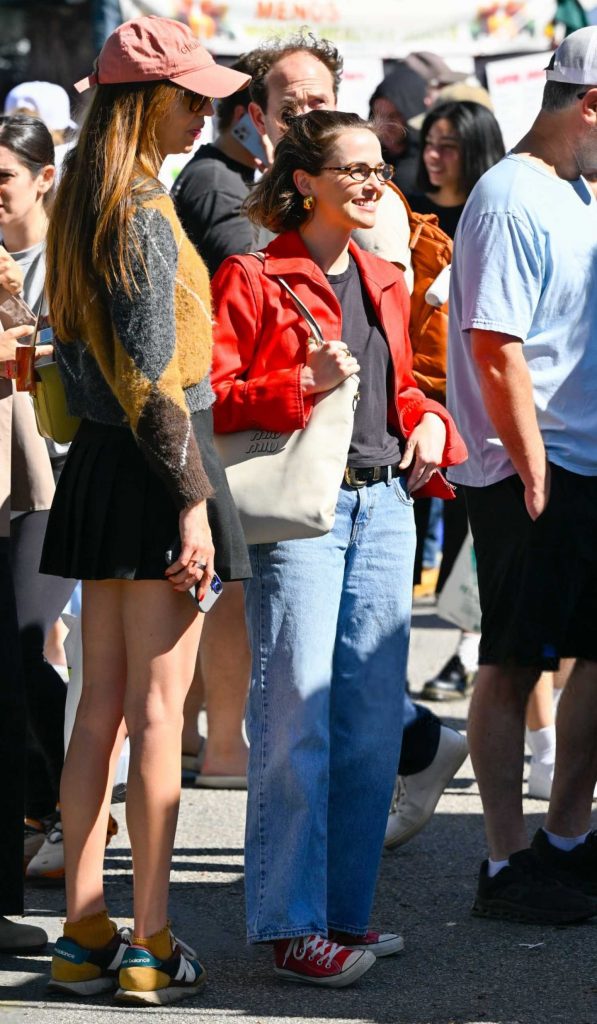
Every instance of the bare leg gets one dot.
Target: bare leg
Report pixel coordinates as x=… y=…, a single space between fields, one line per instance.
x=54 y=643
x=496 y=743
x=191 y=740
x=226 y=666
x=576 y=754
x=162 y=630
x=93 y=749
x=540 y=712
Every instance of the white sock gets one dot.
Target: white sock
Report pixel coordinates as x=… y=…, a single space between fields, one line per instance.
x=496 y=865
x=468 y=651
x=566 y=843
x=542 y=744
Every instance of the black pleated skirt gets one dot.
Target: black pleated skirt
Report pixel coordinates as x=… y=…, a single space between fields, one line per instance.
x=113 y=518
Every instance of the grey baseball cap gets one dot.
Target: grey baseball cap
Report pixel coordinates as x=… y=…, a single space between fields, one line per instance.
x=575 y=60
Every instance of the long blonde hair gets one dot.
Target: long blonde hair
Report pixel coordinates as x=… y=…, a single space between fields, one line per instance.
x=90 y=240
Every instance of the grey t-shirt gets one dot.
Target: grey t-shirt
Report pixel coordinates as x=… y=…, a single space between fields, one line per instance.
x=208 y=194
x=33 y=264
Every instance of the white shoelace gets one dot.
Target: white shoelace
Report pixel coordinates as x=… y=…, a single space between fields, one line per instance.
x=399 y=792
x=319 y=949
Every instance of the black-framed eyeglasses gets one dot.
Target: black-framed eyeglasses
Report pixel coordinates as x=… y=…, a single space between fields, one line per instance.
x=195 y=101
x=581 y=95
x=361 y=172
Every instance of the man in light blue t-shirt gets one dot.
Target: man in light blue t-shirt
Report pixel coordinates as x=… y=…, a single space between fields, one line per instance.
x=522 y=386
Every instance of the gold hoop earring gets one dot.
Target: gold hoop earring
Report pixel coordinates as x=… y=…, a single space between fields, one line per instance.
x=309 y=202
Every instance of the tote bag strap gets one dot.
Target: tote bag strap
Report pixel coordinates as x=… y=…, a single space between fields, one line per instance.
x=37 y=314
x=300 y=305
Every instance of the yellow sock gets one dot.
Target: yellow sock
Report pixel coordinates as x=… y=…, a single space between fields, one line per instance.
x=160 y=943
x=92 y=932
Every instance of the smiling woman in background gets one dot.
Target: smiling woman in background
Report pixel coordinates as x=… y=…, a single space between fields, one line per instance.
x=460 y=140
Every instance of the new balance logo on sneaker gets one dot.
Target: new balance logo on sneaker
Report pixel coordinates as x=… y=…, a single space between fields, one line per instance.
x=86 y=972
x=146 y=980
x=317 y=961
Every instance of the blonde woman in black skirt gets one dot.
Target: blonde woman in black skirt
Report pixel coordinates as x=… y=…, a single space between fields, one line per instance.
x=131 y=309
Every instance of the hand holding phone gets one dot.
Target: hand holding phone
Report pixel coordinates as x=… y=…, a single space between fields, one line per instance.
x=214 y=590
x=245 y=132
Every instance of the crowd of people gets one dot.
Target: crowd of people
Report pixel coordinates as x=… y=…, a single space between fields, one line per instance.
x=278 y=269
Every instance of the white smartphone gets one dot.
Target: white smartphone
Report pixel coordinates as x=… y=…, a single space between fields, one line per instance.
x=215 y=589
x=245 y=132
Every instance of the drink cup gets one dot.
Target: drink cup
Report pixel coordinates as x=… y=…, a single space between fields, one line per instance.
x=25 y=374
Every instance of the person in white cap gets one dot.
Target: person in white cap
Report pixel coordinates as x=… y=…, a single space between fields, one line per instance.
x=522 y=385
x=49 y=102
x=45 y=100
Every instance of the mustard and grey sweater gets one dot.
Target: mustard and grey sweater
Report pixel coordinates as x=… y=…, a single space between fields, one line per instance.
x=143 y=360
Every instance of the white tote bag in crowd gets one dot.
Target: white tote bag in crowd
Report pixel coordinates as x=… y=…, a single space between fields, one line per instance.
x=285 y=486
x=459 y=599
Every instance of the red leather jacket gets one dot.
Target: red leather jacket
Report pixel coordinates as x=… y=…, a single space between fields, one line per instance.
x=260 y=343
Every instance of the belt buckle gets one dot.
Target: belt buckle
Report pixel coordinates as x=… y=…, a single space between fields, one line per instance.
x=351 y=478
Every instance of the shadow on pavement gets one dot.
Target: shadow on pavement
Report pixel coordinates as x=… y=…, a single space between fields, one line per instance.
x=455 y=969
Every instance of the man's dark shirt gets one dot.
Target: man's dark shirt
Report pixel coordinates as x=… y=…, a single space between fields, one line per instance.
x=208 y=195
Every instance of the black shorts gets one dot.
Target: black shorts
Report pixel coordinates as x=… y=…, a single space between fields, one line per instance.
x=113 y=518
x=537 y=580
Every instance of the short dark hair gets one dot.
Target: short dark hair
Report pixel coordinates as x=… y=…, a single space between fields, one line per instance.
x=558 y=96
x=28 y=138
x=479 y=136
x=226 y=107
x=273 y=50
x=274 y=201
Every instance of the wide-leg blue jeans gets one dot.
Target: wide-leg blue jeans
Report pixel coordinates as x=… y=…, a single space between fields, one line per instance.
x=329 y=622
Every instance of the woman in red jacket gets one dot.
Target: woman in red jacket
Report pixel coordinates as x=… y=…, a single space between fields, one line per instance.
x=328 y=617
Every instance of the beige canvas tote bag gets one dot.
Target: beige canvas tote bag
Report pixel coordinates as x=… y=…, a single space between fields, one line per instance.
x=285 y=486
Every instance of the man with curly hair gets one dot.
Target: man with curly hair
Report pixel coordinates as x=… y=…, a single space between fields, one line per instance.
x=292 y=76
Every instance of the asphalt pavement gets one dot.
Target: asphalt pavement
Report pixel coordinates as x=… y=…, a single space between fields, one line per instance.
x=455 y=969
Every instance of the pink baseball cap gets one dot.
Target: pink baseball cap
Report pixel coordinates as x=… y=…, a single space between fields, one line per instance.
x=152 y=49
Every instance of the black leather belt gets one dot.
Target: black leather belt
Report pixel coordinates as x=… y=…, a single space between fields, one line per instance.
x=357 y=477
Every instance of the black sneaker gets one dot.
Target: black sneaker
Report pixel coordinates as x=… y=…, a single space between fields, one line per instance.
x=523 y=891
x=576 y=869
x=450 y=683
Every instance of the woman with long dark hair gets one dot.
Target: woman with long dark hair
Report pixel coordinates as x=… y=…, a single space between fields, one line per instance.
x=26 y=193
x=328 y=617
x=131 y=307
x=460 y=140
